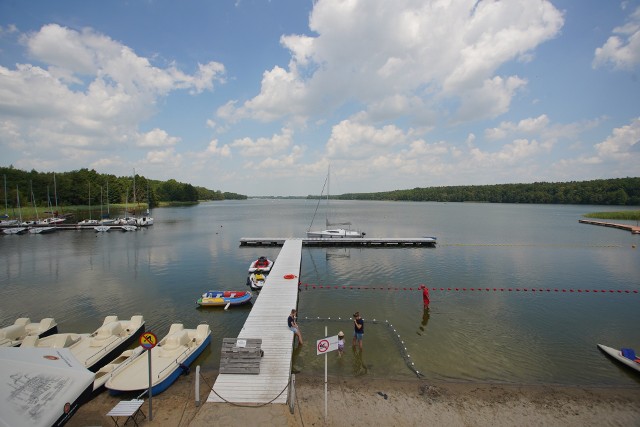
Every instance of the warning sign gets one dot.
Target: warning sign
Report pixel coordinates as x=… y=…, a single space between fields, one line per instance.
x=325 y=345
x=148 y=340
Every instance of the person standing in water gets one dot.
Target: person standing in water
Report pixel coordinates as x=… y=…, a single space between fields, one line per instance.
x=425 y=296
x=358 y=329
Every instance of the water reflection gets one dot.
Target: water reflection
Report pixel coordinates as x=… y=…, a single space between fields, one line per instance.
x=425 y=319
x=358 y=367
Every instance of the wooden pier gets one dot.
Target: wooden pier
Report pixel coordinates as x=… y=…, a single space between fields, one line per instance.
x=342 y=242
x=267 y=322
x=632 y=228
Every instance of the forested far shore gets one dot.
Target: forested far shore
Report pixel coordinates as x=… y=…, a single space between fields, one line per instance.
x=615 y=191
x=87 y=187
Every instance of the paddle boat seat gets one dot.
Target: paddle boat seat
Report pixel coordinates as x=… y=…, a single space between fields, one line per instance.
x=13 y=332
x=175 y=341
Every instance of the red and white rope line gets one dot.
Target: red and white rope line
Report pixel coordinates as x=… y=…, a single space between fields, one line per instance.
x=309 y=286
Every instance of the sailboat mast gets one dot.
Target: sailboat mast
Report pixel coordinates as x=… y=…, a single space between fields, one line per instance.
x=326 y=219
x=19 y=208
x=33 y=200
x=6 y=204
x=108 y=214
x=55 y=192
x=134 y=189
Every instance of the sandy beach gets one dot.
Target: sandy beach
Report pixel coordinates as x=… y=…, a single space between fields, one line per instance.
x=385 y=402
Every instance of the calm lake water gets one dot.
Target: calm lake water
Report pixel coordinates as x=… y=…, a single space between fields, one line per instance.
x=79 y=277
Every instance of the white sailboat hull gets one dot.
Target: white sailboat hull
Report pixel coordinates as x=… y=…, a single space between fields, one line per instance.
x=335 y=233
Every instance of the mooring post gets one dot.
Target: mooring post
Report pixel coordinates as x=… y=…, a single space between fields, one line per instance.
x=197 y=392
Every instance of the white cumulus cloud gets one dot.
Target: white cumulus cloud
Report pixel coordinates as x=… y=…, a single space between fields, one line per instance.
x=621 y=50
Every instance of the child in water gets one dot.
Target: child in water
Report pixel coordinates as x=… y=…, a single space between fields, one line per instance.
x=340 y=343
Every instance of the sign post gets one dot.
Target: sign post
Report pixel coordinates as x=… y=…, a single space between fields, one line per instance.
x=324 y=346
x=148 y=340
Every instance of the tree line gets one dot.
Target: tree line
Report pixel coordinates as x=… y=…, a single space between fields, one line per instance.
x=616 y=191
x=87 y=187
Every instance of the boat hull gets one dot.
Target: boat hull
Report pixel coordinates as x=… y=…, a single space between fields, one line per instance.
x=180 y=369
x=169 y=359
x=264 y=267
x=211 y=298
x=617 y=355
x=337 y=233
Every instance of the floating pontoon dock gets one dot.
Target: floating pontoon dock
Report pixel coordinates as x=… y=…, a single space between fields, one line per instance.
x=268 y=321
x=360 y=241
x=632 y=228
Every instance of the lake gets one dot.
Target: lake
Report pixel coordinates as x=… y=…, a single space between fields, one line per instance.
x=541 y=337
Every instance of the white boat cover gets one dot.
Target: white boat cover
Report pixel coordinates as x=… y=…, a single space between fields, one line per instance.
x=37 y=383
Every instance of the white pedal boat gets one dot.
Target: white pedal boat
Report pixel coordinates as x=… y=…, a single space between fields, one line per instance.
x=96 y=349
x=170 y=358
x=12 y=336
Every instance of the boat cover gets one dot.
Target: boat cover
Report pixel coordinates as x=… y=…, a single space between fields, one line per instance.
x=628 y=353
x=37 y=383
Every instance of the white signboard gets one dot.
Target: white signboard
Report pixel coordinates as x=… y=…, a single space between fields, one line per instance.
x=325 y=345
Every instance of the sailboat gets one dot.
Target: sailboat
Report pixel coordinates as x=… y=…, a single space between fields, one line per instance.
x=20 y=229
x=90 y=221
x=331 y=233
x=54 y=218
x=37 y=228
x=102 y=227
x=106 y=218
x=146 y=220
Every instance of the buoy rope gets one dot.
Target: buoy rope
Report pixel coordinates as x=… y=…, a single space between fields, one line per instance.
x=309 y=286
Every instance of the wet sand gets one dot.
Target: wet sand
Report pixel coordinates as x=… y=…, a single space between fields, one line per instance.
x=373 y=402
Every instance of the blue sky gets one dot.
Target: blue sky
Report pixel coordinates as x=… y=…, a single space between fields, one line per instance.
x=259 y=97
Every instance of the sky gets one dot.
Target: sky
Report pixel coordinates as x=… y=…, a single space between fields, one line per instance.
x=263 y=97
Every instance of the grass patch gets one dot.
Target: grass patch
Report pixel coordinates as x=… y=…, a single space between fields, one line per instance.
x=626 y=215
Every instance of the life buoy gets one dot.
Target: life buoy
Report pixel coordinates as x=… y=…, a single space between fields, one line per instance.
x=290 y=276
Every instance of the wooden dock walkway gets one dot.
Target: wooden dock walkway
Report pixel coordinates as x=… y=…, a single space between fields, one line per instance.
x=342 y=242
x=632 y=228
x=268 y=321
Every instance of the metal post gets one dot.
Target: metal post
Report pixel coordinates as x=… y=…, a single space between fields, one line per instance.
x=197 y=391
x=325 y=380
x=292 y=393
x=150 y=394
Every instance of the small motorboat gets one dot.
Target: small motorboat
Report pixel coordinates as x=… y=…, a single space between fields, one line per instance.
x=107 y=371
x=261 y=264
x=102 y=228
x=12 y=336
x=169 y=359
x=624 y=355
x=97 y=349
x=256 y=281
x=224 y=298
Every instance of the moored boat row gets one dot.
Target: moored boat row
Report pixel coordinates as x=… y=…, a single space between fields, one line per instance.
x=107 y=351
